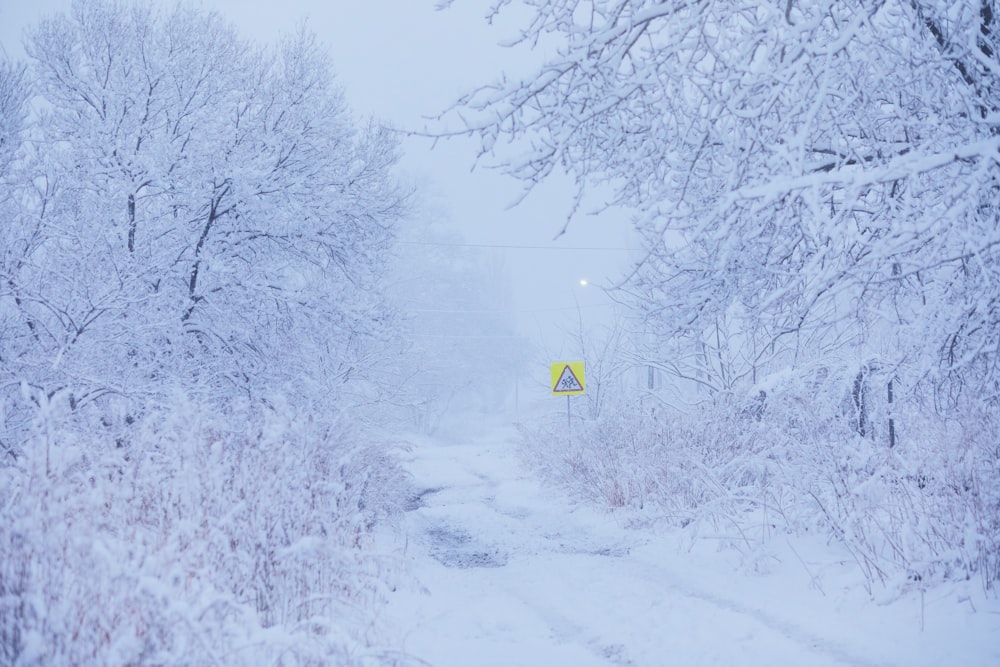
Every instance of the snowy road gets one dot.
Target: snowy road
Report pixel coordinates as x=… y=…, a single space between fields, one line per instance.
x=512 y=574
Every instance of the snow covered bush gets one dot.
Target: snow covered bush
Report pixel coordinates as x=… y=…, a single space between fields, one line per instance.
x=205 y=539
x=925 y=510
x=600 y=461
x=681 y=468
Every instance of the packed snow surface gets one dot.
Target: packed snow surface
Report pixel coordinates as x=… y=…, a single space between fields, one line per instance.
x=509 y=572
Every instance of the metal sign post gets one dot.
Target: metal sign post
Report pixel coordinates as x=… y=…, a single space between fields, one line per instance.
x=568 y=379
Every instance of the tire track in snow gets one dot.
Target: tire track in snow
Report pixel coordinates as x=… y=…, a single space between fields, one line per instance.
x=787 y=629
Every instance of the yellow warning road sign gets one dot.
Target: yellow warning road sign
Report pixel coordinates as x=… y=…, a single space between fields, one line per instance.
x=568 y=378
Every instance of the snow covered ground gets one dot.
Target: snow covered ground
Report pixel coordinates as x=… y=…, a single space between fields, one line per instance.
x=510 y=573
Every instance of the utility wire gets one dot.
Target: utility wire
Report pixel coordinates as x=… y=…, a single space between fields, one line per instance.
x=515 y=247
x=505 y=312
x=471 y=336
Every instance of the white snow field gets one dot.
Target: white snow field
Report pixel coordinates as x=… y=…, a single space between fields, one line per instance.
x=510 y=573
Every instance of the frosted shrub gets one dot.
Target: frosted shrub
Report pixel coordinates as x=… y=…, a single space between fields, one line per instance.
x=923 y=511
x=634 y=456
x=204 y=540
x=602 y=461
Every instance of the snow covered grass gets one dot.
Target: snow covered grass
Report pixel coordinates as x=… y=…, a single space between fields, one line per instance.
x=202 y=539
x=911 y=516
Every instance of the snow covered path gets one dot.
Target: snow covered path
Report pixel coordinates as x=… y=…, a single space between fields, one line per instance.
x=512 y=574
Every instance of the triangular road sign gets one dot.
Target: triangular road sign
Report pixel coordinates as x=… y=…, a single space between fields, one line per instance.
x=567 y=383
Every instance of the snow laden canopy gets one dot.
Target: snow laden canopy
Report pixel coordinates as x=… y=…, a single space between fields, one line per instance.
x=190 y=208
x=812 y=180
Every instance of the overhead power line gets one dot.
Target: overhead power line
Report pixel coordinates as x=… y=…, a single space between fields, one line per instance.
x=507 y=311
x=517 y=247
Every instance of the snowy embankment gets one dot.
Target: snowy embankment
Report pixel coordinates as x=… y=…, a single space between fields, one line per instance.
x=511 y=573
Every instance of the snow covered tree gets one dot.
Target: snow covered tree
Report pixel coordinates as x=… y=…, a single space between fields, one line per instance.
x=809 y=178
x=14 y=93
x=13 y=98
x=205 y=212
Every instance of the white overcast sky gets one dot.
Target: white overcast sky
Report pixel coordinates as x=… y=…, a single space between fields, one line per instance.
x=403 y=60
